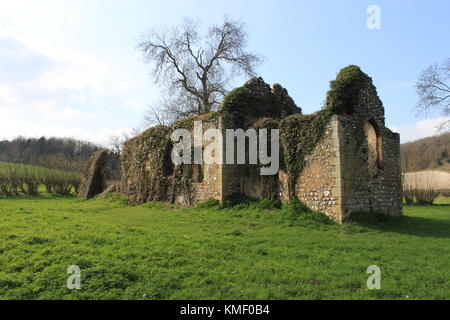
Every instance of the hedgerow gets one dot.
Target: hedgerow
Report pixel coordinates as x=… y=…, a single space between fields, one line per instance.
x=18 y=179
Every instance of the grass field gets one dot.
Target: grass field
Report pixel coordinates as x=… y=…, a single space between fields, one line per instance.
x=158 y=252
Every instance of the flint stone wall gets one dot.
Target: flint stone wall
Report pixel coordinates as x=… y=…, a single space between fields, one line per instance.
x=354 y=166
x=318 y=184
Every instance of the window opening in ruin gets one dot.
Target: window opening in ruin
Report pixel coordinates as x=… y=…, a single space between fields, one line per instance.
x=374 y=146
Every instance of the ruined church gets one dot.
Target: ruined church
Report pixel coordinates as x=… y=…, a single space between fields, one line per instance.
x=337 y=160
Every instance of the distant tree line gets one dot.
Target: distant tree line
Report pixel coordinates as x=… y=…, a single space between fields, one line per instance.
x=65 y=154
x=428 y=153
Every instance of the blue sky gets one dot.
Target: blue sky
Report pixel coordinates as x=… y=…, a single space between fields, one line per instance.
x=70 y=68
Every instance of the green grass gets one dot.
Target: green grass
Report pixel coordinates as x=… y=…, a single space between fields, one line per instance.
x=442 y=201
x=164 y=252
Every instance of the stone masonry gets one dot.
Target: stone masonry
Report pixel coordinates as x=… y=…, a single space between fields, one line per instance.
x=354 y=166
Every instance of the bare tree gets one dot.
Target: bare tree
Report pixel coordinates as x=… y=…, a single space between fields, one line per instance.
x=433 y=88
x=196 y=70
x=115 y=142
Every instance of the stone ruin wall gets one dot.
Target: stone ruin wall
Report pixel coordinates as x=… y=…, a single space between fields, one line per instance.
x=211 y=186
x=155 y=178
x=101 y=173
x=337 y=179
x=318 y=184
x=341 y=175
x=207 y=178
x=222 y=180
x=367 y=185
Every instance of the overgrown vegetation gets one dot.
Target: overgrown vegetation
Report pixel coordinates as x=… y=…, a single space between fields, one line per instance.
x=292 y=212
x=299 y=136
x=149 y=170
x=297 y=212
x=270 y=204
x=344 y=91
x=300 y=133
x=18 y=179
x=254 y=105
x=158 y=251
x=255 y=99
x=209 y=203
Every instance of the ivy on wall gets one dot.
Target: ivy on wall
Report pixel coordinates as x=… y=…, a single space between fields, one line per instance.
x=299 y=136
x=300 y=133
x=147 y=163
x=345 y=89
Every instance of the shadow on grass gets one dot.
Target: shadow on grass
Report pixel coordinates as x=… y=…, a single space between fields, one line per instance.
x=417 y=226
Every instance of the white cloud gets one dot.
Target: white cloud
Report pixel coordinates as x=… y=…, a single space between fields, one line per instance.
x=41 y=67
x=7 y=96
x=134 y=105
x=67 y=113
x=49 y=91
x=123 y=86
x=421 y=129
x=73 y=78
x=13 y=125
x=38 y=88
x=105 y=133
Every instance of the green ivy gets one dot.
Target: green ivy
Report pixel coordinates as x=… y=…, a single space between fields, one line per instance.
x=155 y=140
x=188 y=123
x=345 y=89
x=253 y=100
x=300 y=133
x=299 y=136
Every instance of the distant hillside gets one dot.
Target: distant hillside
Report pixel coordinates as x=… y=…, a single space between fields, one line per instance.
x=428 y=153
x=55 y=153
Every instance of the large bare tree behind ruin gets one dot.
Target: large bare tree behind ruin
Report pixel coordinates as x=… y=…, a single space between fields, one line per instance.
x=433 y=88
x=195 y=70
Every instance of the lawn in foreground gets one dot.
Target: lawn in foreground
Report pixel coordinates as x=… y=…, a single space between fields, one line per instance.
x=155 y=252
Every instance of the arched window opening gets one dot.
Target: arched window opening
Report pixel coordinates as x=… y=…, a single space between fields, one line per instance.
x=374 y=145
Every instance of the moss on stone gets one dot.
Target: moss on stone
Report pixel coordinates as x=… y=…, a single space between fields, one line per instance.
x=188 y=123
x=345 y=89
x=255 y=99
x=299 y=135
x=254 y=105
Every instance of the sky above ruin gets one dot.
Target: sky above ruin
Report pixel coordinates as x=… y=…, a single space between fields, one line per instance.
x=70 y=68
